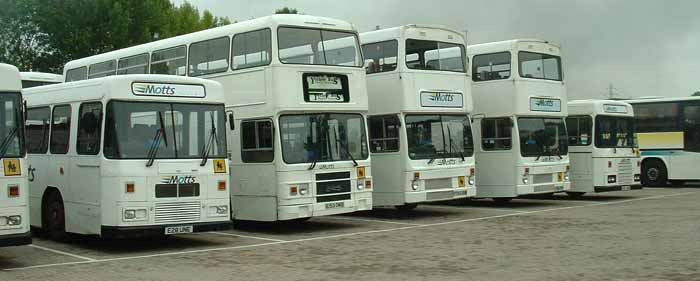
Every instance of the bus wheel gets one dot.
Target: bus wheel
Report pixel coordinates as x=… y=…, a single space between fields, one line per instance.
x=576 y=195
x=655 y=173
x=502 y=199
x=55 y=217
x=406 y=207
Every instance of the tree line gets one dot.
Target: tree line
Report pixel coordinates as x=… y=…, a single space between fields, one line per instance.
x=41 y=35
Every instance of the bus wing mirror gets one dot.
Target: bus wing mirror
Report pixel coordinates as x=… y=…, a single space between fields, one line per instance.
x=231 y=121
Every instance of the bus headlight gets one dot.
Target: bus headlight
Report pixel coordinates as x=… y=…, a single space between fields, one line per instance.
x=612 y=179
x=303 y=189
x=472 y=180
x=567 y=177
x=135 y=214
x=14 y=220
x=526 y=180
x=414 y=185
x=221 y=210
x=637 y=177
x=360 y=185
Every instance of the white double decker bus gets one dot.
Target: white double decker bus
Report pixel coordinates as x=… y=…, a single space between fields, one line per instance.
x=14 y=208
x=296 y=91
x=419 y=127
x=602 y=149
x=519 y=110
x=668 y=131
x=36 y=79
x=126 y=156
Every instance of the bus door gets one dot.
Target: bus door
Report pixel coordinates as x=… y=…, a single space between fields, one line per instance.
x=690 y=123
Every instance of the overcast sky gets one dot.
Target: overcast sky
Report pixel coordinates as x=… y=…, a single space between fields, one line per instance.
x=642 y=47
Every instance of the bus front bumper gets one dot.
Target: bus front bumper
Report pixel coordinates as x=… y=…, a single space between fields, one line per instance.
x=121 y=232
x=617 y=188
x=18 y=239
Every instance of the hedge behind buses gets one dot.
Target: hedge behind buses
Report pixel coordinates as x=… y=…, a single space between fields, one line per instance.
x=128 y=156
x=14 y=208
x=296 y=93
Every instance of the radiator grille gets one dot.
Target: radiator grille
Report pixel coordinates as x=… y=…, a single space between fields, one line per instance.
x=333 y=187
x=177 y=212
x=439 y=195
x=542 y=178
x=625 y=172
x=544 y=188
x=431 y=184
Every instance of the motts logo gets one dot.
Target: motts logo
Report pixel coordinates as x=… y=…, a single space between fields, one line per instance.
x=153 y=90
x=179 y=180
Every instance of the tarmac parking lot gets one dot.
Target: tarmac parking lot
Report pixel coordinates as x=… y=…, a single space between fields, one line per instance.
x=649 y=234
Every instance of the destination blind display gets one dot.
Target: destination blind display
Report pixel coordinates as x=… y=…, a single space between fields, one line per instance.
x=326 y=88
x=615 y=108
x=545 y=104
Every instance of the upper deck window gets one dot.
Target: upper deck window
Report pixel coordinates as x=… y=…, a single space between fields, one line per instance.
x=488 y=67
x=102 y=69
x=317 y=46
x=76 y=74
x=251 y=49
x=539 y=66
x=169 y=61
x=209 y=56
x=137 y=64
x=380 y=56
x=433 y=55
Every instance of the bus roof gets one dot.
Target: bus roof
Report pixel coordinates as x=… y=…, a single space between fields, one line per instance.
x=41 y=76
x=510 y=45
x=661 y=99
x=9 y=78
x=126 y=87
x=600 y=107
x=404 y=31
x=272 y=22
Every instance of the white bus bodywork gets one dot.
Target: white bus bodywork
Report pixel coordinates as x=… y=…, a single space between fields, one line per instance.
x=602 y=150
x=14 y=190
x=36 y=79
x=132 y=162
x=278 y=91
x=509 y=99
x=399 y=93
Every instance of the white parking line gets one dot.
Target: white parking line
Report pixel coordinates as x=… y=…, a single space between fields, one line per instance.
x=62 y=253
x=369 y=220
x=89 y=260
x=245 y=236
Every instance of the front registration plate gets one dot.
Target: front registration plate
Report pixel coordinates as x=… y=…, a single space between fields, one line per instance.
x=335 y=205
x=179 y=229
x=626 y=187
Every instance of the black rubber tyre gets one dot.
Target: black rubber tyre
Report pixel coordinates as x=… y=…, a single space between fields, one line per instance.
x=677 y=183
x=407 y=207
x=575 y=195
x=54 y=218
x=502 y=199
x=654 y=173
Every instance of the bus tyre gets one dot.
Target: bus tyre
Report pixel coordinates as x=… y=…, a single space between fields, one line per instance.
x=575 y=195
x=55 y=218
x=654 y=173
x=502 y=199
x=407 y=207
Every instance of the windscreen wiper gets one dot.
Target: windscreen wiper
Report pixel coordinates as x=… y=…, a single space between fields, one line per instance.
x=338 y=142
x=212 y=138
x=7 y=141
x=449 y=134
x=160 y=135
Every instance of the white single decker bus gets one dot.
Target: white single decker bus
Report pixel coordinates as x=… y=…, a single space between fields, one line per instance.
x=668 y=131
x=519 y=110
x=296 y=91
x=127 y=156
x=602 y=148
x=419 y=127
x=14 y=189
x=36 y=79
